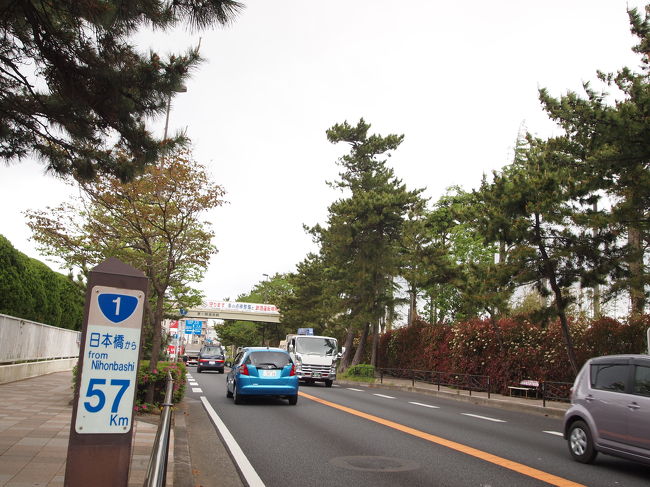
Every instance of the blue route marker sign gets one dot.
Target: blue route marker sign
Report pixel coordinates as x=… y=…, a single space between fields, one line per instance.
x=117 y=307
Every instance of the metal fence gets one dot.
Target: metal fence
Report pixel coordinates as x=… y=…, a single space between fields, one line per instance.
x=556 y=391
x=547 y=390
x=453 y=380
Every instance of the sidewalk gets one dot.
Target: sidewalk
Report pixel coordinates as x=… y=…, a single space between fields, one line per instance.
x=35 y=419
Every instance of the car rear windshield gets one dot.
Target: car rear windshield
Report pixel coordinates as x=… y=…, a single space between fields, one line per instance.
x=210 y=352
x=276 y=359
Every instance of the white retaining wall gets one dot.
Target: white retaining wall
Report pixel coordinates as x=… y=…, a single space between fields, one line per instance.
x=29 y=349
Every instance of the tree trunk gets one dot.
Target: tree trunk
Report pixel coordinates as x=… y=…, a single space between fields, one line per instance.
x=346 y=358
x=361 y=349
x=155 y=343
x=412 y=305
x=635 y=265
x=560 y=302
x=375 y=344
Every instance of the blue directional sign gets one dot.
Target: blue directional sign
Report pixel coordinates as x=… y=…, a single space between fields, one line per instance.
x=193 y=327
x=117 y=307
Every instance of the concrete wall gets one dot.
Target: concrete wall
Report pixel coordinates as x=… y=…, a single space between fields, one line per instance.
x=29 y=349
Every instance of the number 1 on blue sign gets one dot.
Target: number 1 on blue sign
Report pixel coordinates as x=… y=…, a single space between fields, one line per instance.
x=117 y=305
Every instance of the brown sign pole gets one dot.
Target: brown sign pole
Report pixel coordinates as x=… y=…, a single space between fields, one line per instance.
x=101 y=430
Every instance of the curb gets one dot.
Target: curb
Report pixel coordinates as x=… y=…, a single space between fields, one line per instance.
x=182 y=459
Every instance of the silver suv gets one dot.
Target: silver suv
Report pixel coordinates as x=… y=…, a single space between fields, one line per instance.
x=610 y=409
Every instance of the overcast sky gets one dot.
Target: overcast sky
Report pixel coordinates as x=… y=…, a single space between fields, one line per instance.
x=458 y=79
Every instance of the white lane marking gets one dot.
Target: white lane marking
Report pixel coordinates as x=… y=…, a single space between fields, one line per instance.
x=244 y=465
x=381 y=395
x=196 y=389
x=556 y=433
x=483 y=417
x=425 y=405
x=353 y=389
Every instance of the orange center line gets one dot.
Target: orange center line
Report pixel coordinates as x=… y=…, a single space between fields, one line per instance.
x=468 y=450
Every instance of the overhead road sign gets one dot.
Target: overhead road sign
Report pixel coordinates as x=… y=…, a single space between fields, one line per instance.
x=232 y=310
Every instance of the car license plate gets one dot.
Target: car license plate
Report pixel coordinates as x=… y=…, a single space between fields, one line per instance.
x=211 y=362
x=316 y=374
x=269 y=373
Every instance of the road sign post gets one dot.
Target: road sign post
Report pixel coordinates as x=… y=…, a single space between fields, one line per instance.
x=101 y=430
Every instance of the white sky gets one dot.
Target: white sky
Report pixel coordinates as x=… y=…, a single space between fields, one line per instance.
x=457 y=79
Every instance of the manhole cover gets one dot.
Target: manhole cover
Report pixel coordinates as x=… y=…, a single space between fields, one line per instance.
x=375 y=464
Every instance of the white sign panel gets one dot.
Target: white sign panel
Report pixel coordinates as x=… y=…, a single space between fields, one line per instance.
x=110 y=361
x=243 y=307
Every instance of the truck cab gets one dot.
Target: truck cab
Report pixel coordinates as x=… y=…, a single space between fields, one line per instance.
x=315 y=357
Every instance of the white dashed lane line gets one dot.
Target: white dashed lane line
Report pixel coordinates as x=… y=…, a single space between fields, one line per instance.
x=431 y=406
x=424 y=405
x=556 y=433
x=196 y=389
x=483 y=417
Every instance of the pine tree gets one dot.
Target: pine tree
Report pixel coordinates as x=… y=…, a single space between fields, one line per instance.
x=609 y=140
x=360 y=244
x=75 y=93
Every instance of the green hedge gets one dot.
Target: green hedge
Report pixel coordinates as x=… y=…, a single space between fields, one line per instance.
x=361 y=370
x=31 y=290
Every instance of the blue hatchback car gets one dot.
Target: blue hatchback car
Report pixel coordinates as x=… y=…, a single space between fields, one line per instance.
x=262 y=371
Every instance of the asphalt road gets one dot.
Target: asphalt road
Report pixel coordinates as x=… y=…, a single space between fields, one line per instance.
x=355 y=436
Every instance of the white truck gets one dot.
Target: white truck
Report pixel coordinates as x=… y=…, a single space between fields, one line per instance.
x=315 y=357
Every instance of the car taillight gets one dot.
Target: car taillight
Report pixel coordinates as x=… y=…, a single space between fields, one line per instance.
x=243 y=370
x=292 y=371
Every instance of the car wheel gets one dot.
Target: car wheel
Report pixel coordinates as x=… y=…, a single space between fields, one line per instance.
x=221 y=371
x=581 y=444
x=293 y=400
x=228 y=393
x=199 y=369
x=328 y=383
x=237 y=397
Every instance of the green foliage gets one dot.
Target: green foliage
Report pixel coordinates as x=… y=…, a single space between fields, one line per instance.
x=239 y=333
x=361 y=370
x=153 y=223
x=76 y=91
x=158 y=377
x=32 y=291
x=607 y=136
x=359 y=246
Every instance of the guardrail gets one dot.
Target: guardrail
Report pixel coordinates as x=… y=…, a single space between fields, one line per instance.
x=157 y=469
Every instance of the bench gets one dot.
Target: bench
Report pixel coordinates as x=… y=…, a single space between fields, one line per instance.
x=525 y=386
